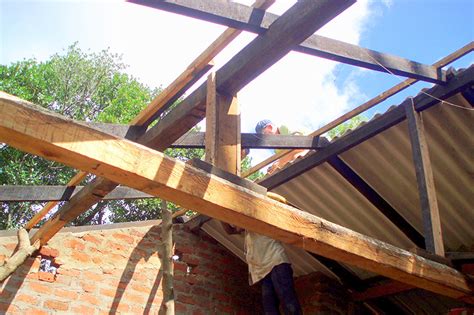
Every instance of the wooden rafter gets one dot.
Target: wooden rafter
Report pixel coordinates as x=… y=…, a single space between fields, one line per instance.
x=191 y=74
x=260 y=54
x=425 y=180
x=254 y=59
x=240 y=16
x=16 y=193
x=30 y=128
x=369 y=104
x=385 y=121
x=162 y=102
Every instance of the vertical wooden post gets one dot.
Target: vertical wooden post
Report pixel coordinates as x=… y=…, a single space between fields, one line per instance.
x=222 y=129
x=166 y=261
x=424 y=176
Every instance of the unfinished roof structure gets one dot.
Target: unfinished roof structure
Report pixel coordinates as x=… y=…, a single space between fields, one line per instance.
x=372 y=205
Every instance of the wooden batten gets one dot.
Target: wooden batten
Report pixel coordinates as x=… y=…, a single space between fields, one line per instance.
x=33 y=130
x=424 y=176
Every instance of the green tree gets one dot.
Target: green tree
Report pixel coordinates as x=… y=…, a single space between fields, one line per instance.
x=84 y=86
x=351 y=124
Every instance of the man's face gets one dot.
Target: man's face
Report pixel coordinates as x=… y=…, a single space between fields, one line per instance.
x=270 y=129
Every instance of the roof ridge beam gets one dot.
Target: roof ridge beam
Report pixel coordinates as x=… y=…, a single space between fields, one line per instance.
x=243 y=17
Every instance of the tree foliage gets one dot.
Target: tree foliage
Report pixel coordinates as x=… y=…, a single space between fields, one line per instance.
x=351 y=124
x=84 y=86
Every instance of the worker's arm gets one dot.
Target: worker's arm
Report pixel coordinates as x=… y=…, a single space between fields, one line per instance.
x=230 y=229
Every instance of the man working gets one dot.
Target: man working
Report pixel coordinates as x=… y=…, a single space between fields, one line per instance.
x=268 y=263
x=266 y=127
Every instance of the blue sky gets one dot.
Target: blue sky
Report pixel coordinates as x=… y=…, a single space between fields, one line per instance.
x=301 y=91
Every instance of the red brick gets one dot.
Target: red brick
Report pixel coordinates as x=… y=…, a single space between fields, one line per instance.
x=225 y=308
x=92 y=239
x=75 y=244
x=30 y=299
x=140 y=288
x=40 y=288
x=32 y=311
x=184 y=248
x=122 y=307
x=88 y=287
x=191 y=259
x=108 y=292
x=135 y=298
x=93 y=276
x=50 y=252
x=79 y=256
x=124 y=237
x=139 y=234
x=180 y=266
x=70 y=295
x=222 y=297
x=180 y=308
x=82 y=309
x=187 y=299
x=97 y=260
x=56 y=305
x=46 y=276
x=116 y=247
x=62 y=279
x=89 y=298
x=69 y=272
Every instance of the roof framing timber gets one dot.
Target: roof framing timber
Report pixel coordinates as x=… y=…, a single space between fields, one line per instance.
x=60 y=193
x=195 y=140
x=30 y=128
x=255 y=58
x=242 y=17
x=377 y=125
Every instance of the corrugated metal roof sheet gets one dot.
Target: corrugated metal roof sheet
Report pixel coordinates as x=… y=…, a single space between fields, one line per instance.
x=385 y=163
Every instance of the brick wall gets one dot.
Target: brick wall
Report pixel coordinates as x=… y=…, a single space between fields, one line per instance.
x=116 y=269
x=319 y=294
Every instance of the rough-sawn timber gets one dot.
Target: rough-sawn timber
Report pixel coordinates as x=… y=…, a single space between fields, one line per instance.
x=31 y=129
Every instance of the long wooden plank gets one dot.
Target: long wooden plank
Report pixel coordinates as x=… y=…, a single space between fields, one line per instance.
x=424 y=177
x=375 y=126
x=239 y=16
x=263 y=51
x=191 y=74
x=162 y=102
x=16 y=193
x=30 y=128
x=75 y=180
x=254 y=141
x=369 y=104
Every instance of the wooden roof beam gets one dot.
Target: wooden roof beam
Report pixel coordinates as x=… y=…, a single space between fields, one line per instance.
x=299 y=22
x=240 y=16
x=31 y=129
x=375 y=126
x=162 y=102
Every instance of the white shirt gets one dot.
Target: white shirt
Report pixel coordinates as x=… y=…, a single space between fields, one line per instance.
x=262 y=253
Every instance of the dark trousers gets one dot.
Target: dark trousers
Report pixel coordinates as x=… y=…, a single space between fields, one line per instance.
x=278 y=287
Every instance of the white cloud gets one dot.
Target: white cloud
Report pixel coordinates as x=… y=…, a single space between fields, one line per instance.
x=298 y=91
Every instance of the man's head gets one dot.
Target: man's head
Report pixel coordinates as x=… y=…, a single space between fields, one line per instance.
x=266 y=127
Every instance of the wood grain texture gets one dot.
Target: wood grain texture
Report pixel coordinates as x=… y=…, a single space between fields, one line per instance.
x=425 y=180
x=33 y=130
x=242 y=17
